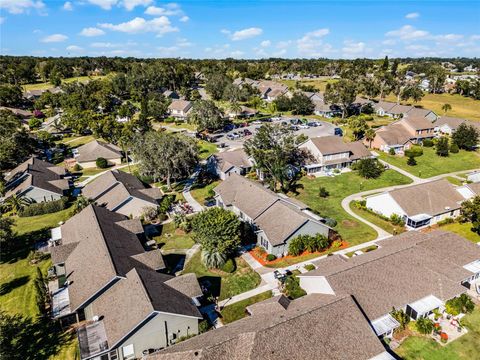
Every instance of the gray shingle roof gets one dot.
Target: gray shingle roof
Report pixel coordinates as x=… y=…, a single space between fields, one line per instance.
x=228 y=159
x=96 y=149
x=187 y=284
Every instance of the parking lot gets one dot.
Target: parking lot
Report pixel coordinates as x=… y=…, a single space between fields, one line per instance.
x=231 y=141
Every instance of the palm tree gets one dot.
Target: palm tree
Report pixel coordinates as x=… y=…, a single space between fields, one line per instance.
x=81 y=203
x=16 y=203
x=370 y=136
x=213 y=259
x=256 y=102
x=446 y=107
x=236 y=108
x=272 y=108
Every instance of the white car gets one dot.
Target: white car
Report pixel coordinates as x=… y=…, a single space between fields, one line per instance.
x=303 y=126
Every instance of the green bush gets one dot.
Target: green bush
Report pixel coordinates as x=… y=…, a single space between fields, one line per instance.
x=271 y=257
x=34 y=123
x=323 y=192
x=309 y=267
x=203 y=326
x=391 y=151
x=292 y=288
x=308 y=243
x=397 y=220
x=230 y=266
x=454 y=148
x=411 y=161
x=427 y=143
x=77 y=167
x=414 y=151
x=42 y=208
x=461 y=304
x=101 y=163
x=424 y=325
x=330 y=222
x=446 y=221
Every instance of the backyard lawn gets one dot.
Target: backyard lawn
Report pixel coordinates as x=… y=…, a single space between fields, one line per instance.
x=47 y=85
x=224 y=284
x=237 y=310
x=462 y=230
x=464 y=348
x=172 y=239
x=201 y=193
x=352 y=230
x=206 y=149
x=76 y=141
x=319 y=84
x=430 y=164
x=384 y=224
x=34 y=223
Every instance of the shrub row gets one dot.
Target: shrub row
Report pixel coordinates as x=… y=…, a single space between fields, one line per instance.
x=308 y=243
x=42 y=208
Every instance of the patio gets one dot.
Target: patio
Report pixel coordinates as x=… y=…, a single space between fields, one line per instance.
x=451 y=328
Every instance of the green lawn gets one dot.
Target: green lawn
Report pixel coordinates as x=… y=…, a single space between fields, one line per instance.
x=47 y=85
x=319 y=84
x=462 y=230
x=463 y=107
x=237 y=310
x=77 y=141
x=224 y=284
x=206 y=149
x=201 y=193
x=430 y=164
x=28 y=224
x=339 y=187
x=374 y=219
x=170 y=239
x=454 y=180
x=464 y=348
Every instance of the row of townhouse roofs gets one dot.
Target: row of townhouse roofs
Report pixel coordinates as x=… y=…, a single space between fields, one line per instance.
x=347 y=307
x=126 y=306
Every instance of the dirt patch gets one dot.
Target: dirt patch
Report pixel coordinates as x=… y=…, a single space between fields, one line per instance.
x=350 y=223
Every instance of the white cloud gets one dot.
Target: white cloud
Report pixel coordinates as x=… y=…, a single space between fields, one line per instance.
x=236 y=53
x=104 y=45
x=280 y=53
x=74 y=48
x=2 y=20
x=311 y=43
x=408 y=32
x=104 y=4
x=413 y=15
x=131 y=4
x=21 y=6
x=448 y=37
x=167 y=11
x=184 y=18
x=352 y=48
x=283 y=44
x=243 y=34
x=54 y=38
x=92 y=31
x=67 y=6
x=265 y=43
x=475 y=37
x=160 y=25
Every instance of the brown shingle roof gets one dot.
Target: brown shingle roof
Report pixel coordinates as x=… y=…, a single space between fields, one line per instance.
x=95 y=149
x=394 y=134
x=302 y=333
x=432 y=198
x=228 y=159
x=187 y=284
x=330 y=144
x=418 y=123
x=180 y=105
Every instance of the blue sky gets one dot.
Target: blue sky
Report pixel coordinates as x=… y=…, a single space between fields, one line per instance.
x=240 y=29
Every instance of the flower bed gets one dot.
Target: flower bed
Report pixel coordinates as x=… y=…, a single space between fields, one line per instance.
x=261 y=255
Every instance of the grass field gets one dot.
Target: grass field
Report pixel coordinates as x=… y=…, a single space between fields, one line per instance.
x=28 y=224
x=430 y=164
x=206 y=149
x=237 y=310
x=462 y=230
x=77 y=141
x=201 y=193
x=384 y=224
x=319 y=84
x=224 y=284
x=464 y=348
x=463 y=107
x=339 y=187
x=47 y=85
x=171 y=238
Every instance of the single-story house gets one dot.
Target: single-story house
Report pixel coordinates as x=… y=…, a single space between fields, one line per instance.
x=171 y=94
x=448 y=125
x=229 y=162
x=37 y=180
x=387 y=108
x=245 y=112
x=276 y=219
x=123 y=193
x=326 y=110
x=401 y=134
x=87 y=154
x=416 y=272
x=279 y=328
x=179 y=108
x=108 y=282
x=20 y=113
x=331 y=152
x=420 y=205
x=474 y=176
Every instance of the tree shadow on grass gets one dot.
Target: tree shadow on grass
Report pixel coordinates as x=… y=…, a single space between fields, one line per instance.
x=213 y=284
x=21 y=245
x=13 y=284
x=27 y=338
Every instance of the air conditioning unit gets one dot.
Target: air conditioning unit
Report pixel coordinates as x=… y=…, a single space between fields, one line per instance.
x=95 y=318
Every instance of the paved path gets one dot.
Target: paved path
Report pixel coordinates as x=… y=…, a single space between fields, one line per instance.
x=93 y=177
x=196 y=206
x=245 y=295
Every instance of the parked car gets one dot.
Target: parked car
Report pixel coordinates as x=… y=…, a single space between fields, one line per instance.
x=257 y=122
x=228 y=127
x=303 y=126
x=338 y=132
x=243 y=124
x=247 y=132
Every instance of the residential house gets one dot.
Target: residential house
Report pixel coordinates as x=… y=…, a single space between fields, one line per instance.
x=419 y=205
x=87 y=154
x=271 y=90
x=416 y=272
x=20 y=113
x=109 y=283
x=230 y=162
x=394 y=110
x=37 y=180
x=169 y=94
x=53 y=125
x=276 y=219
x=123 y=193
x=281 y=329
x=313 y=96
x=245 y=112
x=179 y=109
x=474 y=176
x=35 y=94
x=326 y=110
x=401 y=134
x=448 y=125
x=331 y=152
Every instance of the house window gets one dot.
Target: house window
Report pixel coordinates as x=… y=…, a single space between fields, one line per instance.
x=128 y=352
x=113 y=355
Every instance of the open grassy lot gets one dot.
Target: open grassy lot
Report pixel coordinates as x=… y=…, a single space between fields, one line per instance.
x=172 y=238
x=201 y=193
x=430 y=164
x=319 y=84
x=224 y=284
x=47 y=85
x=464 y=348
x=339 y=187
x=463 y=107
x=384 y=224
x=206 y=149
x=76 y=141
x=237 y=310
x=462 y=230
x=29 y=224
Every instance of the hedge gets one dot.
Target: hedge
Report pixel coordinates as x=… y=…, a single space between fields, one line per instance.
x=42 y=208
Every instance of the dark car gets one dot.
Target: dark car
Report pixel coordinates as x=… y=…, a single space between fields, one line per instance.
x=338 y=132
x=247 y=132
x=228 y=127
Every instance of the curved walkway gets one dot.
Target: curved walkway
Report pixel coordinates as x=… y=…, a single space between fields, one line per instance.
x=196 y=206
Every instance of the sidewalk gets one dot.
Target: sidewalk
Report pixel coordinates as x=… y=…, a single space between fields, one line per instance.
x=196 y=206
